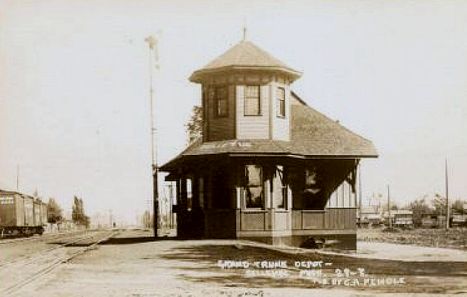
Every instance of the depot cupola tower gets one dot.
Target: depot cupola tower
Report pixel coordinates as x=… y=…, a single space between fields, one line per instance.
x=245 y=95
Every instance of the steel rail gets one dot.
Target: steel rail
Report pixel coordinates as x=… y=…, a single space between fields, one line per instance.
x=43 y=237
x=43 y=253
x=54 y=264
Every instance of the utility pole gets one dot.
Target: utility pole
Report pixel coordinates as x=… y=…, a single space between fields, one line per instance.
x=153 y=62
x=447 y=191
x=110 y=219
x=17 y=177
x=360 y=189
x=389 y=209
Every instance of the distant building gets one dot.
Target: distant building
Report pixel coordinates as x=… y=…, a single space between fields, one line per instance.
x=400 y=218
x=370 y=216
x=458 y=220
x=268 y=167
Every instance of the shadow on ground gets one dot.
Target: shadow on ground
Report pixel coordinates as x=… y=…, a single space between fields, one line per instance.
x=420 y=276
x=129 y=240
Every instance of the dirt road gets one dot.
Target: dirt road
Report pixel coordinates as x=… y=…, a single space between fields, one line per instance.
x=132 y=264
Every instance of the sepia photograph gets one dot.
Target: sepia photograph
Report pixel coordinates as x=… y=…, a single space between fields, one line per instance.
x=233 y=148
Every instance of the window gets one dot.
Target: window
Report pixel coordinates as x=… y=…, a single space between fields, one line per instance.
x=279 y=188
x=211 y=93
x=222 y=108
x=280 y=99
x=189 y=194
x=313 y=193
x=252 y=101
x=311 y=181
x=253 y=186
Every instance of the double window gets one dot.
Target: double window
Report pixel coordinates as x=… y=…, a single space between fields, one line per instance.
x=280 y=102
x=252 y=103
x=254 y=186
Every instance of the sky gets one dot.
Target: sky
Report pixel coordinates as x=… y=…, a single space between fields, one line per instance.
x=74 y=88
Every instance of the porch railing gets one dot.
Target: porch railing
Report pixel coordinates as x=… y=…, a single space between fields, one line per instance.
x=328 y=219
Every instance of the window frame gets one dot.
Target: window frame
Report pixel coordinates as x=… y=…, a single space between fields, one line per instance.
x=281 y=173
x=217 y=99
x=280 y=102
x=246 y=186
x=245 y=98
x=189 y=193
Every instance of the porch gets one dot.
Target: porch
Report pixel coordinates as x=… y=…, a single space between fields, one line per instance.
x=275 y=201
x=290 y=227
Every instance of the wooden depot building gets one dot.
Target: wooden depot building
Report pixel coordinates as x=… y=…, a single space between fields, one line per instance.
x=269 y=167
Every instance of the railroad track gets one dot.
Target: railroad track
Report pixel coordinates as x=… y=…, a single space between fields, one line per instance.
x=47 y=261
x=42 y=253
x=40 y=238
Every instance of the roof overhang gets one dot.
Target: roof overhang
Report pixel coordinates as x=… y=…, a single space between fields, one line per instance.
x=201 y=75
x=184 y=159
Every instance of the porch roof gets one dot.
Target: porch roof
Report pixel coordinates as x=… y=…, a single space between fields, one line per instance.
x=312 y=135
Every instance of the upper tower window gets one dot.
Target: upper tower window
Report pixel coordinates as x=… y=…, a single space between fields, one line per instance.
x=252 y=104
x=221 y=101
x=280 y=99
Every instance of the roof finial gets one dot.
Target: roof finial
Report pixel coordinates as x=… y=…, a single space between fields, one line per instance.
x=244 y=29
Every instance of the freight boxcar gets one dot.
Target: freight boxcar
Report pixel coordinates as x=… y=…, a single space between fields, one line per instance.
x=44 y=214
x=28 y=209
x=21 y=214
x=37 y=212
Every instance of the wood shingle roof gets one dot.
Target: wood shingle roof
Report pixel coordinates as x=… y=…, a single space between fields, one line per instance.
x=244 y=56
x=312 y=135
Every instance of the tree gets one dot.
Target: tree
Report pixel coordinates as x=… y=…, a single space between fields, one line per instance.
x=54 y=212
x=439 y=204
x=77 y=213
x=146 y=220
x=394 y=206
x=418 y=208
x=194 y=126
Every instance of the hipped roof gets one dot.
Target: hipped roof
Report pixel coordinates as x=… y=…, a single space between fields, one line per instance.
x=313 y=135
x=244 y=56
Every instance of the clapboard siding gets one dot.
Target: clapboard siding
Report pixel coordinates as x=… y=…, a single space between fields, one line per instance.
x=238 y=126
x=221 y=128
x=253 y=127
x=342 y=197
